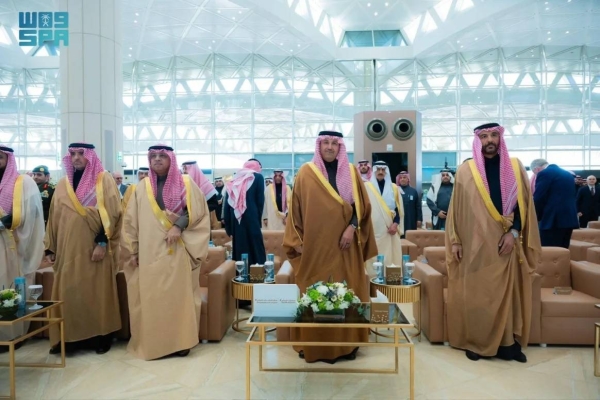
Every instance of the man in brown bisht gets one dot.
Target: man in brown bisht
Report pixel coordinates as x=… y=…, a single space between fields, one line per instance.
x=329 y=234
x=166 y=230
x=82 y=243
x=492 y=248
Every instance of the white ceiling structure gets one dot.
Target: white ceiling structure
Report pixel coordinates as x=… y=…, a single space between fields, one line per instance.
x=313 y=29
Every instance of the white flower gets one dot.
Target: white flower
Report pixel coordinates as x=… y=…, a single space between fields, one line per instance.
x=344 y=305
x=339 y=285
x=329 y=306
x=323 y=289
x=8 y=303
x=341 y=292
x=305 y=300
x=355 y=300
x=314 y=307
x=334 y=298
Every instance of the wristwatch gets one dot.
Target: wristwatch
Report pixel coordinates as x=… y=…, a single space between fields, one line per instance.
x=354 y=226
x=101 y=244
x=515 y=233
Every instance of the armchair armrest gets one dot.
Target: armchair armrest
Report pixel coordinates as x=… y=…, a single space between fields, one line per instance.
x=432 y=301
x=221 y=306
x=535 y=334
x=410 y=248
x=285 y=274
x=585 y=278
x=579 y=249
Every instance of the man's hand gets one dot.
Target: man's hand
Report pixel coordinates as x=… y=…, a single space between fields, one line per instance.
x=173 y=235
x=457 y=251
x=266 y=222
x=392 y=230
x=134 y=260
x=419 y=224
x=347 y=237
x=219 y=202
x=299 y=249
x=506 y=244
x=99 y=253
x=171 y=216
x=579 y=214
x=50 y=258
x=442 y=214
x=284 y=220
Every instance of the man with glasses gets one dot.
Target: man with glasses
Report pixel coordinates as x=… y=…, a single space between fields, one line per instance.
x=438 y=198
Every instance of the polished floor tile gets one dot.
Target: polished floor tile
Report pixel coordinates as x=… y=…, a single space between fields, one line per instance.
x=217 y=371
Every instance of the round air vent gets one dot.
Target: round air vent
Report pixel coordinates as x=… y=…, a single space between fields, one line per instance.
x=376 y=130
x=403 y=129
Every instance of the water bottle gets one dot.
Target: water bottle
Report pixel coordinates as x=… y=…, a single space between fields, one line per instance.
x=211 y=244
x=405 y=260
x=271 y=257
x=270 y=271
x=246 y=266
x=380 y=258
x=378 y=267
x=21 y=288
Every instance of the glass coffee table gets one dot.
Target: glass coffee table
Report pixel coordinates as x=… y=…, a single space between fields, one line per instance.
x=42 y=315
x=243 y=291
x=258 y=337
x=402 y=294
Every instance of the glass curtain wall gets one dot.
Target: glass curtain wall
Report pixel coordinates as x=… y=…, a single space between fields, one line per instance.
x=221 y=110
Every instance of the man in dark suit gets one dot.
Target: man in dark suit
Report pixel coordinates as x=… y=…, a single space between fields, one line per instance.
x=119 y=180
x=588 y=202
x=554 y=200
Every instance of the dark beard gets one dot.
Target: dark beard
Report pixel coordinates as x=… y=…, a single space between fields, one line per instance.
x=493 y=152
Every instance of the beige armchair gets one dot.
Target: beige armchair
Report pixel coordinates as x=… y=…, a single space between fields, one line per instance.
x=434 y=295
x=568 y=319
x=582 y=240
x=218 y=306
x=419 y=239
x=594 y=225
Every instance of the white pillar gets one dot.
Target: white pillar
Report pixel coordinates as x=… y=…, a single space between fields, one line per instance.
x=91 y=77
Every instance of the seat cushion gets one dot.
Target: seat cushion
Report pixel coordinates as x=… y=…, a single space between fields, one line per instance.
x=204 y=297
x=574 y=305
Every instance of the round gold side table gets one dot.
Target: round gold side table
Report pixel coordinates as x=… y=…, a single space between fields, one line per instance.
x=243 y=291
x=597 y=348
x=402 y=294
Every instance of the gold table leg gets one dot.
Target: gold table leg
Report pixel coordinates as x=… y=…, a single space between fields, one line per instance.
x=597 y=351
x=247 y=371
x=11 y=355
x=412 y=372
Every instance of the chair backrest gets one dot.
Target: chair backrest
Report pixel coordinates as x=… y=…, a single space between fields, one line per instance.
x=436 y=258
x=555 y=267
x=216 y=257
x=587 y=235
x=219 y=237
x=273 y=241
x=594 y=225
x=423 y=238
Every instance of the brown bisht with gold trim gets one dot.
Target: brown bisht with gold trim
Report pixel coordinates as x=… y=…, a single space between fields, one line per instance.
x=317 y=219
x=164 y=290
x=489 y=296
x=89 y=289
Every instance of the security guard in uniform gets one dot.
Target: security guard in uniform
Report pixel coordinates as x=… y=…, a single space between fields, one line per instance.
x=41 y=176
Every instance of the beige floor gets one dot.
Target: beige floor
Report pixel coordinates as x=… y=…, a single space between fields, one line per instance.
x=216 y=371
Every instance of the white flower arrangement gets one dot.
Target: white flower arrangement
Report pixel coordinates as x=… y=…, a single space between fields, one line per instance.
x=9 y=298
x=327 y=297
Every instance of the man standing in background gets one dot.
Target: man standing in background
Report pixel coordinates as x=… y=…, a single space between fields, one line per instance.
x=41 y=176
x=438 y=198
x=277 y=200
x=365 y=170
x=555 y=203
x=413 y=212
x=588 y=202
x=243 y=212
x=120 y=185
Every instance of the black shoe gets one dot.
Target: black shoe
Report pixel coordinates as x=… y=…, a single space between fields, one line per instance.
x=472 y=356
x=520 y=357
x=301 y=354
x=70 y=348
x=4 y=349
x=351 y=356
x=182 y=353
x=103 y=343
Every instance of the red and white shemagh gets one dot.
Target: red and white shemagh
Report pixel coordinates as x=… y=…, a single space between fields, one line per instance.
x=86 y=189
x=239 y=185
x=173 y=194
x=343 y=177
x=7 y=186
x=369 y=173
x=201 y=180
x=508 y=181
x=400 y=175
x=284 y=190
